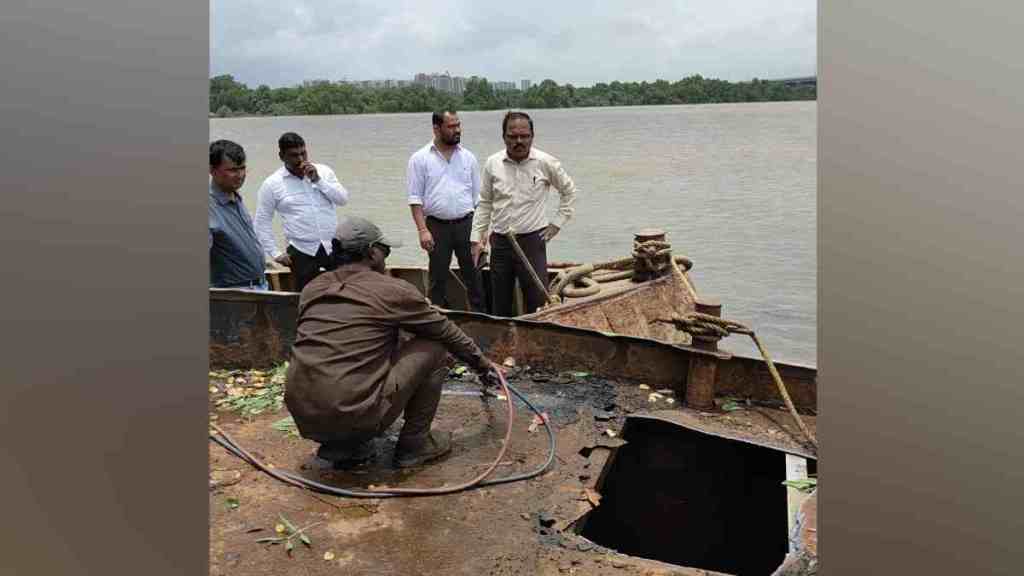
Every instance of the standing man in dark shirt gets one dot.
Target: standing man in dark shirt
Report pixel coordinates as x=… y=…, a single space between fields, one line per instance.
x=236 y=257
x=351 y=375
x=443 y=182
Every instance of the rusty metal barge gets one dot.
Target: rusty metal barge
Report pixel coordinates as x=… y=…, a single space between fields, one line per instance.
x=671 y=457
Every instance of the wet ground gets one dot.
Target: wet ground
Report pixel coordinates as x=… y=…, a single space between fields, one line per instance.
x=519 y=528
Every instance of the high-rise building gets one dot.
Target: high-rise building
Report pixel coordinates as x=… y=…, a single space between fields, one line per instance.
x=524 y=85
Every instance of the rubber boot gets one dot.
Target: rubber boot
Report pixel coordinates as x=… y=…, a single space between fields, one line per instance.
x=344 y=455
x=413 y=451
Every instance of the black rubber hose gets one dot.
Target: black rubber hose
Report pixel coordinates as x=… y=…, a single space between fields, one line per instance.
x=296 y=480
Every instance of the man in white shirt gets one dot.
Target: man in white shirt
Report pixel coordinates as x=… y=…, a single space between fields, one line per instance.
x=443 y=182
x=306 y=196
x=515 y=184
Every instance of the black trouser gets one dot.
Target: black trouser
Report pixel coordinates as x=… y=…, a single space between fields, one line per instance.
x=449 y=236
x=506 y=268
x=305 y=267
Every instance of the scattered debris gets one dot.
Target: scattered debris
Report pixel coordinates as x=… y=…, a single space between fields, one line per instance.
x=611 y=433
x=804 y=485
x=603 y=416
x=232 y=503
x=222 y=478
x=510 y=362
x=288 y=533
x=731 y=405
x=645 y=387
x=328 y=555
x=537 y=421
x=286 y=425
x=592 y=496
x=250 y=397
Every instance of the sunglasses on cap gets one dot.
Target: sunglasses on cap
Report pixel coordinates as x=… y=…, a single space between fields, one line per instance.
x=383 y=248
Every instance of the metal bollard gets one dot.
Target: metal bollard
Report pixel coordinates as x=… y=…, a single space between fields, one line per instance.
x=700 y=381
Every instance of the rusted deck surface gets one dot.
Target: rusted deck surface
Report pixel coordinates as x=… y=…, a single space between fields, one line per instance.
x=520 y=528
x=628 y=308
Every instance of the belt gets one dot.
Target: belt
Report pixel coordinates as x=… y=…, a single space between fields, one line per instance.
x=459 y=219
x=251 y=284
x=518 y=234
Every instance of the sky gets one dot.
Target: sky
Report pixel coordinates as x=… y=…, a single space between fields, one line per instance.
x=581 y=42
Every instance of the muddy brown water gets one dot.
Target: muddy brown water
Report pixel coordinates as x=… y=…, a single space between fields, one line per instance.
x=520 y=528
x=733 y=185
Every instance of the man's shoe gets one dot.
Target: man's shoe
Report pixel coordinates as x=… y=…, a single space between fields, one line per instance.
x=342 y=455
x=416 y=451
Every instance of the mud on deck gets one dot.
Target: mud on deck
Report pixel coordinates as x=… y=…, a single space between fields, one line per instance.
x=519 y=528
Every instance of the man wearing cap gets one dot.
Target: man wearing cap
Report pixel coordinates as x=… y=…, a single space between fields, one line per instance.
x=306 y=196
x=236 y=260
x=351 y=375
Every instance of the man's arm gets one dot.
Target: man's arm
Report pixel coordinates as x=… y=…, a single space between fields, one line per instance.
x=426 y=238
x=415 y=184
x=475 y=183
x=567 y=196
x=416 y=315
x=328 y=185
x=262 y=222
x=482 y=215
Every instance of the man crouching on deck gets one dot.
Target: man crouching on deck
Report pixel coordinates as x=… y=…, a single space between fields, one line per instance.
x=351 y=375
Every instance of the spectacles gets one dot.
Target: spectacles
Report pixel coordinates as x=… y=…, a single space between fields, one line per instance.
x=383 y=248
x=518 y=137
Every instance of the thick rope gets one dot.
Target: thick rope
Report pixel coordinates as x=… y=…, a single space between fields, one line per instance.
x=713 y=328
x=573 y=282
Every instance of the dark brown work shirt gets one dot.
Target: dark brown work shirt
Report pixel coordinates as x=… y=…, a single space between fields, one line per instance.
x=347 y=341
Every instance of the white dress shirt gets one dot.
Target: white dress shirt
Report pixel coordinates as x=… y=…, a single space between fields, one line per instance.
x=307 y=210
x=513 y=195
x=447 y=189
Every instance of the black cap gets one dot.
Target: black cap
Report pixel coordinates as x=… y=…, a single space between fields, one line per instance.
x=356 y=234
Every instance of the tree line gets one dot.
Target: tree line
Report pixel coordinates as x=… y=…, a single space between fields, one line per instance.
x=228 y=97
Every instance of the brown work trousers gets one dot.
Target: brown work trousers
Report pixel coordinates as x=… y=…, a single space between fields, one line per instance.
x=413 y=387
x=415 y=379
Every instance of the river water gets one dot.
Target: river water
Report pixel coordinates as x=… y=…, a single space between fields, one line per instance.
x=733 y=185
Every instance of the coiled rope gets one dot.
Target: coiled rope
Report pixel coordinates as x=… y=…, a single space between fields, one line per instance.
x=585 y=280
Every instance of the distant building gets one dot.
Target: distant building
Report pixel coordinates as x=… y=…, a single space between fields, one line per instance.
x=441 y=82
x=503 y=86
x=524 y=85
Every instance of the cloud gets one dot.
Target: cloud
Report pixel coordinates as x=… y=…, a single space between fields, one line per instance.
x=276 y=43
